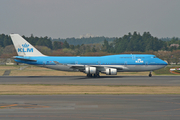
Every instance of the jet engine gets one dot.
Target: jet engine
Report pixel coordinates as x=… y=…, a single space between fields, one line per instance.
x=90 y=70
x=111 y=71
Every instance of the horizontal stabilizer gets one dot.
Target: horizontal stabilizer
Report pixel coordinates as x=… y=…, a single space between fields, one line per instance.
x=23 y=59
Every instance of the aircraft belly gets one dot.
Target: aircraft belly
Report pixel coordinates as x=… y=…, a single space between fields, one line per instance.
x=135 y=68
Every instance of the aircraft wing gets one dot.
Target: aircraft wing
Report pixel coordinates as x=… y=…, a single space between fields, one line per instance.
x=82 y=67
x=74 y=66
x=100 y=67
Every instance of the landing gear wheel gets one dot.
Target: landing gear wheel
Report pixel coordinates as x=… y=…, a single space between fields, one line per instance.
x=150 y=75
x=96 y=75
x=89 y=75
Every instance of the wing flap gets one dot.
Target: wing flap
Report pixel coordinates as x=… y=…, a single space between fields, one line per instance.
x=74 y=66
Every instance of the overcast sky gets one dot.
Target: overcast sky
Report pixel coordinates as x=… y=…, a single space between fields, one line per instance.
x=72 y=18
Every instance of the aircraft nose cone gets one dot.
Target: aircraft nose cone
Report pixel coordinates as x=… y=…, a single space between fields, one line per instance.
x=163 y=62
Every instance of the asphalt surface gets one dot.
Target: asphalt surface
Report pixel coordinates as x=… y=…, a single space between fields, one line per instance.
x=103 y=80
x=90 y=107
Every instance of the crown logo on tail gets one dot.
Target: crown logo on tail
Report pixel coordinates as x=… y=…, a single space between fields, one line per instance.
x=25 y=45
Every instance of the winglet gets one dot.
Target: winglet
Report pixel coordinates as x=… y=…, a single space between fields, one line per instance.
x=24 y=48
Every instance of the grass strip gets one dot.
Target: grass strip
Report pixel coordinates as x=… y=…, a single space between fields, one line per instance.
x=85 y=89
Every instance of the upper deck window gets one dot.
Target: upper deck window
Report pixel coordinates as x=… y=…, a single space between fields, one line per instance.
x=140 y=57
x=132 y=57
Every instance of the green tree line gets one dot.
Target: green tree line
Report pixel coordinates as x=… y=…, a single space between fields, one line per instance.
x=80 y=41
x=130 y=42
x=135 y=42
x=5 y=40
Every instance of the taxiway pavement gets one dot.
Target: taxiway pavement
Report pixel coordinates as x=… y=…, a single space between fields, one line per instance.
x=80 y=107
x=90 y=107
x=103 y=80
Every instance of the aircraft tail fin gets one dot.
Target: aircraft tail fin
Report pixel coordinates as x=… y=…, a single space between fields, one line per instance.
x=23 y=47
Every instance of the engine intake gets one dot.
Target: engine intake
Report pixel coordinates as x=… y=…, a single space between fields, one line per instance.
x=111 y=71
x=90 y=70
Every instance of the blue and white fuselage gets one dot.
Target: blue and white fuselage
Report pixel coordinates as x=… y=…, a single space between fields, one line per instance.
x=109 y=65
x=122 y=62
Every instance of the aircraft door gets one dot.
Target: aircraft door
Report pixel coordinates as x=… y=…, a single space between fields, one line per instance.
x=125 y=63
x=44 y=63
x=133 y=57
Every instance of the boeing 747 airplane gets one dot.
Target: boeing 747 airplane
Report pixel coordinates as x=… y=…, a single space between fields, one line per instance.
x=90 y=65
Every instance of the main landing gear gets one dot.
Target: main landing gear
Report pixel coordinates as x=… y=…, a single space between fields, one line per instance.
x=93 y=75
x=150 y=75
